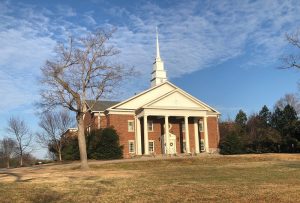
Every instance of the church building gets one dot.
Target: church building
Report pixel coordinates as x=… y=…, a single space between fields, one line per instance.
x=163 y=119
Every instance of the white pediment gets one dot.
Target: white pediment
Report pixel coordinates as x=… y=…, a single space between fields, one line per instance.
x=164 y=96
x=145 y=97
x=178 y=100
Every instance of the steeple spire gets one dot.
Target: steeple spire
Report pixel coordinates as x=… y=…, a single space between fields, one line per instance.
x=159 y=74
x=157 y=45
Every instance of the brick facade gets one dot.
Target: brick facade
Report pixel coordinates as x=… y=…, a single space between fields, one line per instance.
x=120 y=123
x=213 y=133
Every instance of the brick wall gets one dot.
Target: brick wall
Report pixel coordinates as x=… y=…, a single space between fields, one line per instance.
x=213 y=134
x=120 y=123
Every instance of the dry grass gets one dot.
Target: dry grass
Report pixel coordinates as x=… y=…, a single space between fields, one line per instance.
x=243 y=178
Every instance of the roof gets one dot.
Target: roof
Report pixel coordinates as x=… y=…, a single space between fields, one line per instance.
x=101 y=105
x=163 y=95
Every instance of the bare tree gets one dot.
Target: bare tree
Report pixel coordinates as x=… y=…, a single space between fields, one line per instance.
x=8 y=148
x=54 y=125
x=293 y=60
x=83 y=70
x=289 y=99
x=18 y=128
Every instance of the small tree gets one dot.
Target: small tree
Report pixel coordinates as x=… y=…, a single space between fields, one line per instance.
x=104 y=144
x=289 y=99
x=265 y=115
x=241 y=118
x=231 y=144
x=261 y=138
x=277 y=120
x=82 y=71
x=54 y=125
x=7 y=148
x=19 y=129
x=70 y=149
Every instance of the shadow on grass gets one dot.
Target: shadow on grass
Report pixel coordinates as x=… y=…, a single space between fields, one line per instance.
x=15 y=175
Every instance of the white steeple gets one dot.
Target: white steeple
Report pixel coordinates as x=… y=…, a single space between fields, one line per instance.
x=157 y=45
x=159 y=74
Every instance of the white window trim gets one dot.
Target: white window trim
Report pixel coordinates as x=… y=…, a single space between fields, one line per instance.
x=153 y=146
x=131 y=152
x=152 y=126
x=201 y=123
x=183 y=127
x=130 y=121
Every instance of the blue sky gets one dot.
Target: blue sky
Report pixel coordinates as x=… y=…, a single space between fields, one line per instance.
x=226 y=53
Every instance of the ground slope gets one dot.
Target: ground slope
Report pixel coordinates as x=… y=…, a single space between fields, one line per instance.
x=211 y=178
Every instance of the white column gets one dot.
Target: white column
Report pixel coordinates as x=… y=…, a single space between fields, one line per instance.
x=196 y=133
x=187 y=136
x=146 y=140
x=99 y=121
x=138 y=140
x=167 y=135
x=205 y=134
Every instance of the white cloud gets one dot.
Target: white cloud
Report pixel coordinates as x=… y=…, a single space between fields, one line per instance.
x=65 y=10
x=28 y=36
x=194 y=36
x=89 y=19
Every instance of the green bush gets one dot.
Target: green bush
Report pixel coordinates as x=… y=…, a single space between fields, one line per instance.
x=101 y=144
x=70 y=149
x=231 y=144
x=104 y=144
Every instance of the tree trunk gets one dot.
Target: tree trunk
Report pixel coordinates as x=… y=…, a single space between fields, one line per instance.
x=81 y=142
x=59 y=155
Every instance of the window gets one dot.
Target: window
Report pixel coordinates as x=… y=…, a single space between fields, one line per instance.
x=183 y=146
x=151 y=146
x=201 y=126
x=202 y=146
x=150 y=126
x=131 y=146
x=130 y=126
x=183 y=127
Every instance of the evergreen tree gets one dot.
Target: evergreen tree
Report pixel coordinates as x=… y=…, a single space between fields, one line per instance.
x=265 y=115
x=241 y=118
x=104 y=144
x=277 y=120
x=290 y=115
x=231 y=144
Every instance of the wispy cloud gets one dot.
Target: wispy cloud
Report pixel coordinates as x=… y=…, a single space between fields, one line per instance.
x=89 y=19
x=193 y=35
x=196 y=35
x=64 y=10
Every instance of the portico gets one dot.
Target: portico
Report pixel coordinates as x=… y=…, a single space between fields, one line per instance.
x=186 y=126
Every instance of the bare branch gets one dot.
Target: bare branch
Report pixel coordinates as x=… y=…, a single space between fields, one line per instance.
x=19 y=129
x=83 y=70
x=292 y=61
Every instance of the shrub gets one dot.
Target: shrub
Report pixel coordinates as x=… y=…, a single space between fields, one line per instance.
x=104 y=144
x=70 y=149
x=231 y=144
x=101 y=144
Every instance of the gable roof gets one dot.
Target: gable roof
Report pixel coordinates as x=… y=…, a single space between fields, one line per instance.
x=164 y=93
x=144 y=97
x=100 y=105
x=177 y=99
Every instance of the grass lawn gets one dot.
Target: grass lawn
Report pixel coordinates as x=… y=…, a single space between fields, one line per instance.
x=211 y=178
